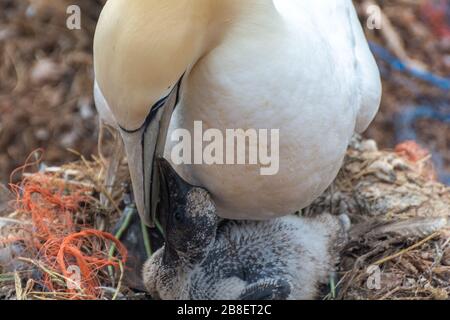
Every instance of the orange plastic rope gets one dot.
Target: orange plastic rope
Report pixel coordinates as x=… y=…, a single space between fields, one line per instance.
x=59 y=241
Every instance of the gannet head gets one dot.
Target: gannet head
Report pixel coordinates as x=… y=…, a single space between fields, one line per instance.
x=142 y=48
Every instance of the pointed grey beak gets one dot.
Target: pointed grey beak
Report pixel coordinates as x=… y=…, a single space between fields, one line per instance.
x=173 y=186
x=143 y=147
x=172 y=193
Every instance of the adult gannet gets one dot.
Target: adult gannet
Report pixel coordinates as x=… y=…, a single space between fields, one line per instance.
x=303 y=67
x=206 y=257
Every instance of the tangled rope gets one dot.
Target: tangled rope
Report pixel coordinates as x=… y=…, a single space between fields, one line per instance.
x=72 y=257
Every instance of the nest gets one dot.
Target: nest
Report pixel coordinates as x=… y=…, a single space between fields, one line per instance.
x=399 y=244
x=56 y=240
x=47 y=79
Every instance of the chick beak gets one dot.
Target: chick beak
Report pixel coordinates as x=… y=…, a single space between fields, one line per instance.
x=173 y=190
x=143 y=147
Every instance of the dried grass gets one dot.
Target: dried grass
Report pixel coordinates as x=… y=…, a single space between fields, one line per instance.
x=400 y=224
x=58 y=224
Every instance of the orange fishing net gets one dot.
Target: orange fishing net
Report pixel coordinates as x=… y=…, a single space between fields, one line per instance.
x=417 y=156
x=72 y=257
x=412 y=151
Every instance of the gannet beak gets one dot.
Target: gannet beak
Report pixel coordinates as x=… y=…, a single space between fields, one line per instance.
x=145 y=145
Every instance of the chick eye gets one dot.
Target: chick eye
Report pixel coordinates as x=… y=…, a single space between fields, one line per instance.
x=178 y=216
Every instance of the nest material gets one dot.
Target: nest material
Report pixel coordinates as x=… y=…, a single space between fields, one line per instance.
x=46 y=76
x=399 y=225
x=56 y=226
x=409 y=32
x=46 y=81
x=399 y=229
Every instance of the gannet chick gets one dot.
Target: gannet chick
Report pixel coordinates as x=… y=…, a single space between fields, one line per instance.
x=207 y=258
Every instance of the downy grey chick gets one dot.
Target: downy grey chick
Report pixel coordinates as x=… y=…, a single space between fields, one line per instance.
x=206 y=257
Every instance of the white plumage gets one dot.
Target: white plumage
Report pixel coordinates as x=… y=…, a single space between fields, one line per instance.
x=303 y=67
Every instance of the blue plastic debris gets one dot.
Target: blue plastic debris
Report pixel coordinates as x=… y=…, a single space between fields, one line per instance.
x=397 y=64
